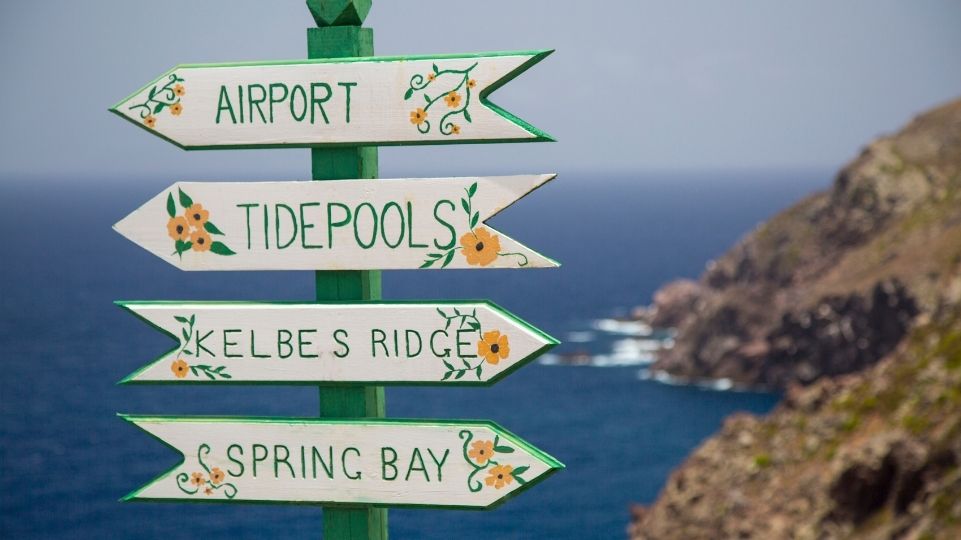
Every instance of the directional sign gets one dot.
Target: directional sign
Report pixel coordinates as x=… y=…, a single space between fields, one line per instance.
x=334 y=225
x=378 y=342
x=461 y=464
x=372 y=101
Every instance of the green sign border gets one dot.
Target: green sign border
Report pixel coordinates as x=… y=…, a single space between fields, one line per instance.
x=536 y=56
x=553 y=464
x=129 y=379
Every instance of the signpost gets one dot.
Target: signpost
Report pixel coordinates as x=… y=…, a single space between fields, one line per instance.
x=383 y=101
x=335 y=225
x=362 y=343
x=341 y=103
x=454 y=464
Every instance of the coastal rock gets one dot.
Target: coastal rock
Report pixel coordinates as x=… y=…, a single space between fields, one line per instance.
x=833 y=283
x=850 y=302
x=869 y=455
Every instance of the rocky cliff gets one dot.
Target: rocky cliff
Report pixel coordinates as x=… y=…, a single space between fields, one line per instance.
x=851 y=301
x=830 y=285
x=868 y=455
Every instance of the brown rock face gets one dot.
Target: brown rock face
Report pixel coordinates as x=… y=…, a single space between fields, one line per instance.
x=831 y=284
x=868 y=455
x=851 y=302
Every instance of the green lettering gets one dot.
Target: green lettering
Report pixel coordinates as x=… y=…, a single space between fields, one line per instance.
x=384 y=463
x=304 y=226
x=223 y=104
x=301 y=343
x=343 y=344
x=442 y=221
x=314 y=102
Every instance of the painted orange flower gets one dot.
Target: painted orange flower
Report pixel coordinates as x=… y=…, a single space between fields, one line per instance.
x=197 y=215
x=494 y=347
x=200 y=240
x=471 y=83
x=480 y=246
x=197 y=478
x=499 y=476
x=178 y=228
x=150 y=121
x=180 y=368
x=452 y=99
x=481 y=451
x=176 y=109
x=455 y=129
x=216 y=475
x=418 y=116
x=179 y=90
x=431 y=76
x=209 y=491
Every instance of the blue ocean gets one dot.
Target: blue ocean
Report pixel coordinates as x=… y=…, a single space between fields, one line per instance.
x=66 y=459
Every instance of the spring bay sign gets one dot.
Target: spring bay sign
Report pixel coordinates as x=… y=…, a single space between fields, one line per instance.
x=378 y=100
x=400 y=343
x=459 y=464
x=334 y=225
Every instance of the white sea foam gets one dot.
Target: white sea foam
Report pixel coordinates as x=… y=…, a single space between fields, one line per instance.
x=627 y=328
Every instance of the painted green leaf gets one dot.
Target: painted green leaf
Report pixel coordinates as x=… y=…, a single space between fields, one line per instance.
x=188 y=353
x=159 y=108
x=467 y=116
x=478 y=372
x=472 y=190
x=184 y=333
x=474 y=219
x=221 y=249
x=435 y=68
x=171 y=207
x=427 y=263
x=447 y=260
x=446 y=376
x=153 y=91
x=441 y=312
x=185 y=199
x=193 y=318
x=466 y=364
x=520 y=480
x=408 y=93
x=460 y=373
x=448 y=365
x=520 y=470
x=475 y=326
x=180 y=319
x=503 y=449
x=427 y=99
x=212 y=229
x=226 y=376
x=465 y=206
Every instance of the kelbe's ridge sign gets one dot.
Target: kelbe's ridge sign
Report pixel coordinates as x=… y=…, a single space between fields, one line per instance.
x=457 y=464
x=334 y=225
x=390 y=100
x=405 y=343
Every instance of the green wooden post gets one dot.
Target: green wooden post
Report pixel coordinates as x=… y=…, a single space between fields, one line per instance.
x=339 y=35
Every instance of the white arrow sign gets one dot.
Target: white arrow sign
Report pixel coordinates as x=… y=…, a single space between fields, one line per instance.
x=334 y=225
x=459 y=464
x=371 y=101
x=376 y=342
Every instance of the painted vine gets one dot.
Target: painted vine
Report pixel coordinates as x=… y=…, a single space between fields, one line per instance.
x=160 y=98
x=478 y=245
x=209 y=483
x=492 y=346
x=481 y=454
x=192 y=229
x=180 y=367
x=454 y=87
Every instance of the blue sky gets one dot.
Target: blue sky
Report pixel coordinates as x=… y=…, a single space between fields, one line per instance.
x=633 y=86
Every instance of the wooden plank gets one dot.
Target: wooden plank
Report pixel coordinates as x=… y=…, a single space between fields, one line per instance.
x=437 y=343
x=429 y=223
x=409 y=463
x=439 y=99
